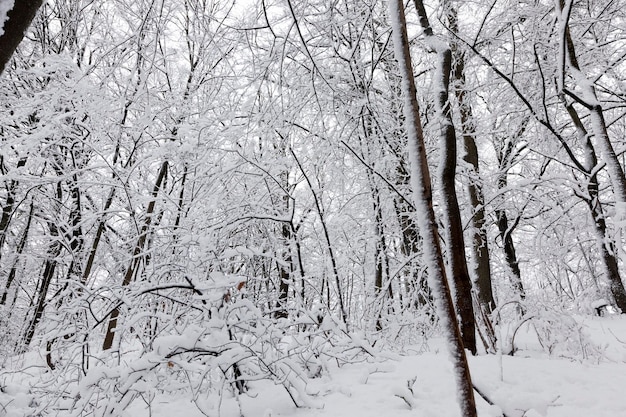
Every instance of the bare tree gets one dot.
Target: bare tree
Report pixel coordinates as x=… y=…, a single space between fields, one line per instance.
x=422 y=195
x=455 y=242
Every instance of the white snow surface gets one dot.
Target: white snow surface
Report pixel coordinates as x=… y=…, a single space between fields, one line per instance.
x=414 y=383
x=5 y=7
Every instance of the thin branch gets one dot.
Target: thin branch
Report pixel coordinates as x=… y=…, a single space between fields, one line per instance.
x=524 y=100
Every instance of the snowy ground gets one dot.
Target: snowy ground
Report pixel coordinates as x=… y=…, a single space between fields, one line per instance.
x=583 y=375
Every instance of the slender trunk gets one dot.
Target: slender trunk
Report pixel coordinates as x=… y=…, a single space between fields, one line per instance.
x=137 y=255
x=605 y=242
x=455 y=242
x=601 y=135
x=329 y=246
x=76 y=238
x=84 y=280
x=284 y=273
x=298 y=249
x=18 y=253
x=7 y=208
x=422 y=194
x=381 y=260
x=506 y=229
x=480 y=246
x=596 y=113
x=49 y=270
x=510 y=255
x=285 y=270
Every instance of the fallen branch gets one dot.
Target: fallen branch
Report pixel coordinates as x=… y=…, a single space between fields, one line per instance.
x=487 y=400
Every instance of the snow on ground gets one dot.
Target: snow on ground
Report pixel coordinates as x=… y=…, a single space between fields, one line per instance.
x=586 y=382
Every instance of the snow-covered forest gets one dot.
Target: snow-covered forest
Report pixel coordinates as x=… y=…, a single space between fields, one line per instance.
x=304 y=208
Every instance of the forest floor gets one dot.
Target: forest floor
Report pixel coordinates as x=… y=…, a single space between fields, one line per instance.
x=576 y=369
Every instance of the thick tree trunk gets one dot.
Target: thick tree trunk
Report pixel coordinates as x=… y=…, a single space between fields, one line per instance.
x=422 y=194
x=607 y=248
x=18 y=21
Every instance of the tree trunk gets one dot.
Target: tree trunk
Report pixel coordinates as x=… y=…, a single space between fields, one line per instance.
x=596 y=114
x=381 y=275
x=422 y=194
x=137 y=254
x=18 y=253
x=329 y=247
x=455 y=242
x=605 y=242
x=50 y=265
x=18 y=21
x=410 y=246
x=600 y=132
x=7 y=208
x=505 y=229
x=284 y=271
x=480 y=246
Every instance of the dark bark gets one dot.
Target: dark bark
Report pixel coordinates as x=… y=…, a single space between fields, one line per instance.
x=613 y=166
x=422 y=194
x=285 y=270
x=284 y=273
x=457 y=260
x=510 y=254
x=49 y=270
x=137 y=254
x=19 y=19
x=382 y=262
x=592 y=198
x=506 y=229
x=18 y=253
x=9 y=205
x=480 y=246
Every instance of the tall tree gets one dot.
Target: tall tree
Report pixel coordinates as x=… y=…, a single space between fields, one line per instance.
x=478 y=231
x=455 y=242
x=422 y=195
